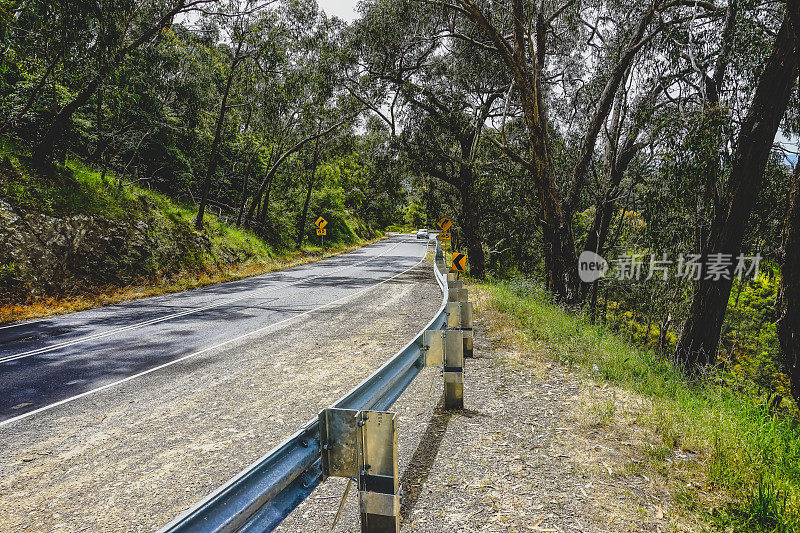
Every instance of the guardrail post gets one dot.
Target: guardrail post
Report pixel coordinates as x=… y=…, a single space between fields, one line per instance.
x=453 y=369
x=378 y=479
x=466 y=327
x=363 y=445
x=459 y=316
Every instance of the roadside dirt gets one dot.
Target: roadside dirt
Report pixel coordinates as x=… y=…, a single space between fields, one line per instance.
x=537 y=448
x=132 y=457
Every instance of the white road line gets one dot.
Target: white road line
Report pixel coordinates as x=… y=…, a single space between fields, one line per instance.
x=204 y=350
x=100 y=335
x=23 y=323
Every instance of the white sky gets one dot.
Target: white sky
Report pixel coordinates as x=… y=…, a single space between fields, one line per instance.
x=344 y=9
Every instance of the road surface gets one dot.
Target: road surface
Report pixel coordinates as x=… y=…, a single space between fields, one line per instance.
x=46 y=363
x=134 y=455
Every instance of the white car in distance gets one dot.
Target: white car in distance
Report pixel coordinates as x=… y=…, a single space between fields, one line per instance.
x=423 y=234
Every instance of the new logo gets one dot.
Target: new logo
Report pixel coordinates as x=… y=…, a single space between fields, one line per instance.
x=591 y=267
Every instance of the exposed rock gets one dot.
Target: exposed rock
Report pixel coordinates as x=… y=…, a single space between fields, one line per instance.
x=50 y=255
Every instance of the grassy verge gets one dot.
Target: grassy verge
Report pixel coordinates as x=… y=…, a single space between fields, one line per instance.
x=180 y=259
x=750 y=453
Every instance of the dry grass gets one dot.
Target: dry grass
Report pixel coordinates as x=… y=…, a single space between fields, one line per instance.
x=146 y=287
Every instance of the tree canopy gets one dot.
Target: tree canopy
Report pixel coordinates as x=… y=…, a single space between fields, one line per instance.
x=545 y=129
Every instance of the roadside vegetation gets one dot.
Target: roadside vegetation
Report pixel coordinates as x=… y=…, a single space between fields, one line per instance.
x=177 y=257
x=742 y=445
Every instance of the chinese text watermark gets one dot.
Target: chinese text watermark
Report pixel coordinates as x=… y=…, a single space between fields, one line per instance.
x=714 y=267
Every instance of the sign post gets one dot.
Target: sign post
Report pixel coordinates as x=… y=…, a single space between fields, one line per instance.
x=444 y=225
x=321 y=231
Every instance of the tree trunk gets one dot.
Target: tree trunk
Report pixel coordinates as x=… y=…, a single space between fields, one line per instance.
x=470 y=224
x=701 y=331
x=244 y=195
x=606 y=204
x=712 y=123
x=560 y=259
x=558 y=239
x=212 y=163
x=44 y=150
x=98 y=126
x=560 y=255
x=242 y=207
x=264 y=211
x=788 y=300
x=301 y=223
x=601 y=112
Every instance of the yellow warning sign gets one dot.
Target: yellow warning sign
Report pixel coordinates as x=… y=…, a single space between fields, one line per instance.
x=322 y=231
x=459 y=262
x=444 y=236
x=321 y=223
x=444 y=223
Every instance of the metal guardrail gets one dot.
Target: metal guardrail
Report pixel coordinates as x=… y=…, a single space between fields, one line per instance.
x=264 y=493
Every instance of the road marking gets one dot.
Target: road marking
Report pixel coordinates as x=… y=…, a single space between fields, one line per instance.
x=204 y=350
x=152 y=321
x=23 y=323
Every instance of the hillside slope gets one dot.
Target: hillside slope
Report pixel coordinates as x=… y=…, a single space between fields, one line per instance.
x=77 y=234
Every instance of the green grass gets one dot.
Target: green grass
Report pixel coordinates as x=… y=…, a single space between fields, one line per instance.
x=180 y=254
x=749 y=451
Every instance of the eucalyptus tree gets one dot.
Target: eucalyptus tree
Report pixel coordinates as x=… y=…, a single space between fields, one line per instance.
x=534 y=41
x=701 y=331
x=436 y=89
x=301 y=220
x=240 y=19
x=308 y=91
x=47 y=46
x=140 y=22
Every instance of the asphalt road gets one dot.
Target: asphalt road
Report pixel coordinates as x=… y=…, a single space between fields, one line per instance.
x=48 y=362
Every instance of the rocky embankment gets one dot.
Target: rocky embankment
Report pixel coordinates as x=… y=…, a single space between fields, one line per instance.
x=43 y=254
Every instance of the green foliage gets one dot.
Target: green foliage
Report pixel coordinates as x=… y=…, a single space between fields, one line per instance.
x=749 y=345
x=415 y=214
x=764 y=511
x=78 y=189
x=73 y=190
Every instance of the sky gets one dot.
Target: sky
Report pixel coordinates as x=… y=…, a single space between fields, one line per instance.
x=344 y=9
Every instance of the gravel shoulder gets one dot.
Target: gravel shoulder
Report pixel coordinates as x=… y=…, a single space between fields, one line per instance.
x=132 y=457
x=538 y=447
